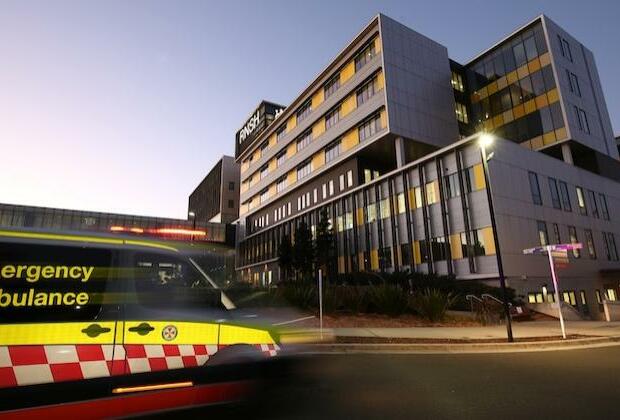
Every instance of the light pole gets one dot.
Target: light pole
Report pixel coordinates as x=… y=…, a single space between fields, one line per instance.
x=192 y=215
x=484 y=141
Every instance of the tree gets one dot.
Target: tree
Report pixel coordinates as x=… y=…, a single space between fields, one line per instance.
x=303 y=251
x=285 y=256
x=325 y=244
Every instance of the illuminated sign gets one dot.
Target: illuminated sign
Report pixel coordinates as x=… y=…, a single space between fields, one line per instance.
x=264 y=114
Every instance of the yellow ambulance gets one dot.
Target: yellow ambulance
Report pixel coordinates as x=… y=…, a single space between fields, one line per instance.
x=98 y=325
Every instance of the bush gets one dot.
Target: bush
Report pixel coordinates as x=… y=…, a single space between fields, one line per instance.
x=387 y=299
x=432 y=304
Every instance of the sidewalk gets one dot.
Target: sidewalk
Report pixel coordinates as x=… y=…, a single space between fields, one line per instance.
x=520 y=330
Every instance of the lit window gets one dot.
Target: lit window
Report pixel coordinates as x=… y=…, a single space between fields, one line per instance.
x=457 y=82
x=581 y=201
x=349 y=178
x=316 y=195
x=324 y=191
x=461 y=113
x=384 y=208
x=542 y=233
x=431 y=194
x=572 y=234
x=590 y=244
x=331 y=187
x=400 y=199
x=341 y=179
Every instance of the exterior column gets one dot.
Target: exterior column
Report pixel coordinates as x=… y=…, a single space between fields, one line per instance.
x=399 y=145
x=567 y=155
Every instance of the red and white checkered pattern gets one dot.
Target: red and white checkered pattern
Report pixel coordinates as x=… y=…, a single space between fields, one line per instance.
x=35 y=364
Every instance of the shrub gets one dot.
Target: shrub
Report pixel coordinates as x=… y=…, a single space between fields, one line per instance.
x=301 y=295
x=387 y=299
x=432 y=304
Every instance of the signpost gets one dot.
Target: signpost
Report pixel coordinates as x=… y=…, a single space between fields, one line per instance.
x=560 y=252
x=321 y=303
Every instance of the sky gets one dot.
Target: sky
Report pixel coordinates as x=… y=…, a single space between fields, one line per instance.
x=124 y=106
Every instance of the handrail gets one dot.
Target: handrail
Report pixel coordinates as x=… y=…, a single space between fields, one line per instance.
x=472 y=298
x=488 y=296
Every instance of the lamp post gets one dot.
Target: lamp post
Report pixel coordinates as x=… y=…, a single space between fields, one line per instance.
x=192 y=215
x=484 y=141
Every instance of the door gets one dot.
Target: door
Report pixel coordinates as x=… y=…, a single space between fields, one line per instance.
x=57 y=327
x=171 y=324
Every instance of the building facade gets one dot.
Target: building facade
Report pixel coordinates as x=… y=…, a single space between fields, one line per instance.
x=375 y=140
x=216 y=198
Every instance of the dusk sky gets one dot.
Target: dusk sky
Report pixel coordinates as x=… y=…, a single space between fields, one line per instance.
x=124 y=106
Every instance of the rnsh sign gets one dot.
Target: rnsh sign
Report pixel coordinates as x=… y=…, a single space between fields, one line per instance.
x=265 y=114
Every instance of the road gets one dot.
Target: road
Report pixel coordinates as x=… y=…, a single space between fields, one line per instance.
x=560 y=384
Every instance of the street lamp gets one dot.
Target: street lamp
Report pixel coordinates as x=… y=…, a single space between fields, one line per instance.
x=484 y=141
x=192 y=215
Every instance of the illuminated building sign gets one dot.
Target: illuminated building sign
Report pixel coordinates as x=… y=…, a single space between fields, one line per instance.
x=265 y=114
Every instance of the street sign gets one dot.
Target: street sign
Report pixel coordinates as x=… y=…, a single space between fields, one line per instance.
x=559 y=251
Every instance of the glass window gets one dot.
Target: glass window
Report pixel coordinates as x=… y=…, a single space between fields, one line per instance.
x=581 y=201
x=304 y=170
x=281 y=158
x=572 y=234
x=304 y=110
x=281 y=132
x=264 y=171
x=231 y=186
x=281 y=184
x=264 y=195
x=519 y=52
x=65 y=283
x=400 y=200
x=457 y=82
x=369 y=127
x=349 y=178
x=565 y=196
x=535 y=188
x=555 y=195
x=590 y=244
x=461 y=113
x=543 y=238
x=538 y=83
x=438 y=248
x=593 y=205
x=610 y=246
x=341 y=179
x=556 y=234
x=332 y=151
x=431 y=193
x=332 y=117
x=366 y=92
x=331 y=86
x=604 y=209
x=304 y=140
x=530 y=48
x=365 y=56
x=452 y=187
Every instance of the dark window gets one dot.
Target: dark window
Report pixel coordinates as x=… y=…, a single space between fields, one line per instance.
x=535 y=188
x=556 y=234
x=231 y=204
x=405 y=252
x=332 y=86
x=385 y=257
x=231 y=186
x=366 y=92
x=369 y=127
x=565 y=196
x=166 y=281
x=452 y=186
x=438 y=248
x=364 y=56
x=332 y=117
x=610 y=246
x=509 y=59
x=593 y=205
x=65 y=283
x=555 y=195
x=538 y=83
x=304 y=110
x=519 y=52
x=530 y=48
x=332 y=151
x=604 y=209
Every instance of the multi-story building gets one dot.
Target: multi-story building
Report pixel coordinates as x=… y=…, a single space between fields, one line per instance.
x=375 y=141
x=216 y=198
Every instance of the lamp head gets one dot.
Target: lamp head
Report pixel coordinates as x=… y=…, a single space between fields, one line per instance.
x=191 y=214
x=485 y=140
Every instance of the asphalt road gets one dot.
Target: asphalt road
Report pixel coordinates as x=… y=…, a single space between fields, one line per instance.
x=559 y=384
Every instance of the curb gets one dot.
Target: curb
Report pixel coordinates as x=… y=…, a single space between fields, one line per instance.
x=428 y=348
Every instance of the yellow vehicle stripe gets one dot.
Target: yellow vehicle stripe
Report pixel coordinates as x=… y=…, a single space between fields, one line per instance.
x=187 y=333
x=54 y=333
x=233 y=334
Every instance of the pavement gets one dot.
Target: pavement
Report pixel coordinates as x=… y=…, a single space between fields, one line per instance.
x=575 y=384
x=520 y=330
